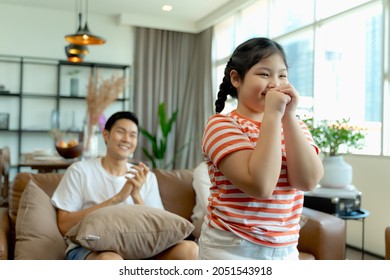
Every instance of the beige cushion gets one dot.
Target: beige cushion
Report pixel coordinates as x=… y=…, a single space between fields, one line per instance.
x=37 y=233
x=133 y=231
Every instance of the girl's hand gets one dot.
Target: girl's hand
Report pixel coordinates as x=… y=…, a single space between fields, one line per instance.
x=276 y=100
x=291 y=106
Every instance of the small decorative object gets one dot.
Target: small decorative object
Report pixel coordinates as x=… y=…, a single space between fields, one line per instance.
x=74 y=87
x=74 y=83
x=67 y=144
x=69 y=149
x=91 y=143
x=4 y=121
x=335 y=138
x=101 y=93
x=337 y=172
x=102 y=122
x=54 y=121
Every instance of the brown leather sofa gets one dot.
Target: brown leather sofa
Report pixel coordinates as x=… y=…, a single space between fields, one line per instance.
x=322 y=237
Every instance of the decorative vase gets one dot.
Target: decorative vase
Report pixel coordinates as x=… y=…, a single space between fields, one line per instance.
x=74 y=87
x=337 y=172
x=90 y=142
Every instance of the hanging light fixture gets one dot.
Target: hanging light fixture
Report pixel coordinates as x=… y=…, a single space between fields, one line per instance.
x=83 y=36
x=76 y=53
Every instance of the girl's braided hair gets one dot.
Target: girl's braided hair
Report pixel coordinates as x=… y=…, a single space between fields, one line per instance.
x=243 y=58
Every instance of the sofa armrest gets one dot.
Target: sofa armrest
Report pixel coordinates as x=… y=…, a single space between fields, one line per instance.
x=387 y=242
x=4 y=233
x=323 y=235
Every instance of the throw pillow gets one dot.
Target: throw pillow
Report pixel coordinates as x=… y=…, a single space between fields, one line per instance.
x=201 y=184
x=36 y=230
x=303 y=220
x=133 y=231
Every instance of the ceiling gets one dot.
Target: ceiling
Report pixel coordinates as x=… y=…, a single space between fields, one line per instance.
x=188 y=14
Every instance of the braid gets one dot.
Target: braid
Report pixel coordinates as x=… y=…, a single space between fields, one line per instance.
x=220 y=102
x=225 y=88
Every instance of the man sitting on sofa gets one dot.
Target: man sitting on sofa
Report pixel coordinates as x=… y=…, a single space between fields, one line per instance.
x=96 y=183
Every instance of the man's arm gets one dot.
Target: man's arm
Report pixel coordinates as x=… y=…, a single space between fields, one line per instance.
x=66 y=220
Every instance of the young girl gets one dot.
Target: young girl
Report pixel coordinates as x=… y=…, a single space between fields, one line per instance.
x=261 y=158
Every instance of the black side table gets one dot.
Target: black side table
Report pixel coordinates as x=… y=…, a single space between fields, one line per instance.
x=359 y=215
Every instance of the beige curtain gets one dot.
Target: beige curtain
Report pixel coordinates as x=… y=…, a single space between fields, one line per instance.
x=174 y=68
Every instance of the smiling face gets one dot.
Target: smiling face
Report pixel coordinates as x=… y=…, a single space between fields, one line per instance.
x=269 y=73
x=122 y=139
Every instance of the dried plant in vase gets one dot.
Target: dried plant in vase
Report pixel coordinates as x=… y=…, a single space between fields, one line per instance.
x=101 y=93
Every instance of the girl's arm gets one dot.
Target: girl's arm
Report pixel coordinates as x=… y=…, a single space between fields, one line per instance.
x=304 y=167
x=256 y=172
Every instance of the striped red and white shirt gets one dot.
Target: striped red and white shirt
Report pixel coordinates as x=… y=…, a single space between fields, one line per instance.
x=272 y=222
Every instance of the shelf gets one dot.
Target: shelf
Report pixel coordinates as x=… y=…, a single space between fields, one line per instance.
x=38 y=95
x=94 y=64
x=35 y=130
x=33 y=88
x=10 y=130
x=8 y=94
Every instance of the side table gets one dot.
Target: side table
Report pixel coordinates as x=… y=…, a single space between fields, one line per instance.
x=359 y=215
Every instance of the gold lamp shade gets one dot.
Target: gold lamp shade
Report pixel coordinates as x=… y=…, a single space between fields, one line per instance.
x=76 y=53
x=84 y=37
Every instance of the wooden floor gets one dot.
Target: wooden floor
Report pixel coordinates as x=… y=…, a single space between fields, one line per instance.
x=355 y=254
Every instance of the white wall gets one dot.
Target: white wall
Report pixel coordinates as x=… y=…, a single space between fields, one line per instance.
x=370 y=177
x=40 y=33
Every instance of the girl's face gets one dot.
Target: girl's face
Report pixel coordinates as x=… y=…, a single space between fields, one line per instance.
x=269 y=73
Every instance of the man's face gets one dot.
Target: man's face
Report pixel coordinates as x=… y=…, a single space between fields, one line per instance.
x=122 y=139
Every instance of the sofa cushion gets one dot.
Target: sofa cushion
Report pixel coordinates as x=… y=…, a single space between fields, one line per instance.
x=176 y=191
x=133 y=231
x=46 y=181
x=37 y=233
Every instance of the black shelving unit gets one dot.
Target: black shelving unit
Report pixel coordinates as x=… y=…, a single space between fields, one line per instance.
x=34 y=88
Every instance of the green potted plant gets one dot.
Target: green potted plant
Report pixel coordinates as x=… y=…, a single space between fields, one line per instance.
x=158 y=141
x=336 y=138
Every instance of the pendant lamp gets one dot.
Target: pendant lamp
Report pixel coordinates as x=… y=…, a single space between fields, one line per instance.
x=76 y=53
x=83 y=36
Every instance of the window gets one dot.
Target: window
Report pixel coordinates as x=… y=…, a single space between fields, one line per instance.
x=335 y=56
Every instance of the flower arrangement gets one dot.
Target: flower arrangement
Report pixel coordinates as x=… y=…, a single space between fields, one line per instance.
x=100 y=94
x=336 y=137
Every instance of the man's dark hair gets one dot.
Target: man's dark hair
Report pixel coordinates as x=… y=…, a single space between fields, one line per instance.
x=118 y=116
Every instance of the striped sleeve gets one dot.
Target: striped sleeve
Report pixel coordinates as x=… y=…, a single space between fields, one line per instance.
x=223 y=136
x=308 y=135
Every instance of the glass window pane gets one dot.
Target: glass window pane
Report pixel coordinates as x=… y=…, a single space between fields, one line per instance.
x=253 y=21
x=224 y=38
x=326 y=8
x=348 y=71
x=286 y=16
x=299 y=51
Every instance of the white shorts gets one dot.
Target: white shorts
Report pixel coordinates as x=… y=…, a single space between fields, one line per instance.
x=215 y=244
